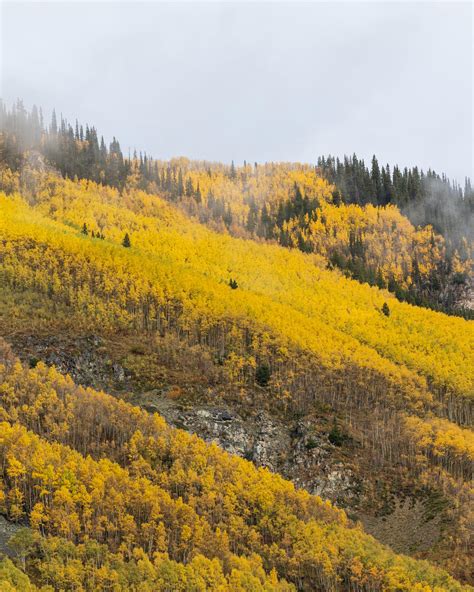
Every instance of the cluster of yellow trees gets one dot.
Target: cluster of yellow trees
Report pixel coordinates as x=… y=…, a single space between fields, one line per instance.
x=392 y=246
x=324 y=338
x=126 y=502
x=174 y=259
x=90 y=566
x=443 y=441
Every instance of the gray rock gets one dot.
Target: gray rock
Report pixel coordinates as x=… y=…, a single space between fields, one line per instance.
x=7 y=530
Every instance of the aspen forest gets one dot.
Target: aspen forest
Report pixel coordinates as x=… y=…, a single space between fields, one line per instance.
x=293 y=299
x=236 y=297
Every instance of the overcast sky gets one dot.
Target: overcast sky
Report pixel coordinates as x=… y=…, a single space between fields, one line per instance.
x=255 y=81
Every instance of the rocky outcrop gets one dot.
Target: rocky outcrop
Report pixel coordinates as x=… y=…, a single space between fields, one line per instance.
x=297 y=449
x=7 y=530
x=82 y=358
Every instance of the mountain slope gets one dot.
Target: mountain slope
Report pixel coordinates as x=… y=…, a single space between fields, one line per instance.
x=184 y=258
x=353 y=220
x=320 y=339
x=148 y=492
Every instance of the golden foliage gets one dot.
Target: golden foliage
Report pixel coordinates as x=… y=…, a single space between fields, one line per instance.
x=152 y=494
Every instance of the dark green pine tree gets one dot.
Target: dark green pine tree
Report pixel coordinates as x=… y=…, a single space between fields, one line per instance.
x=387 y=187
x=298 y=201
x=169 y=180
x=198 y=196
x=379 y=281
x=126 y=241
x=252 y=217
x=189 y=187
x=376 y=181
x=265 y=222
x=84 y=229
x=262 y=375
x=180 y=184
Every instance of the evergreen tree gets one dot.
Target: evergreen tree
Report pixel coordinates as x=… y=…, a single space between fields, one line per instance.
x=189 y=190
x=126 y=241
x=387 y=188
x=262 y=375
x=265 y=222
x=198 y=196
x=180 y=184
x=336 y=436
x=376 y=180
x=252 y=217
x=54 y=124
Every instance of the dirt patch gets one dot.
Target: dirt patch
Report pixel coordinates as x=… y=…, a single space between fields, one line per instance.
x=406 y=529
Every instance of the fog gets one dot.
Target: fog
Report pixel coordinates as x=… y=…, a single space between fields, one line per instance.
x=255 y=81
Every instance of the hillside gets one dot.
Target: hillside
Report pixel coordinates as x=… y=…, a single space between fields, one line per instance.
x=218 y=319
x=173 y=258
x=117 y=498
x=409 y=232
x=236 y=297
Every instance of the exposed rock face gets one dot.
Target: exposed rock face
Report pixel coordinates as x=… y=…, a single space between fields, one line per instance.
x=294 y=449
x=7 y=530
x=81 y=358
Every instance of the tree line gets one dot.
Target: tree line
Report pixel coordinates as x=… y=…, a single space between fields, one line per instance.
x=426 y=198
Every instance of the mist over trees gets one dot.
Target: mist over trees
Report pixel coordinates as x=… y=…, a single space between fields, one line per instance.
x=259 y=201
x=78 y=150
x=425 y=198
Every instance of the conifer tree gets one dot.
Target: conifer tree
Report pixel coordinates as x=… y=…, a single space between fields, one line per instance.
x=262 y=375
x=376 y=180
x=180 y=184
x=198 y=196
x=54 y=123
x=189 y=190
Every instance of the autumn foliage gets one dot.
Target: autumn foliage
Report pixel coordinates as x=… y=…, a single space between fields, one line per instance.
x=153 y=505
x=158 y=509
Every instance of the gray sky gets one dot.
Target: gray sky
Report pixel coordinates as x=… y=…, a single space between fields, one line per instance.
x=255 y=81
